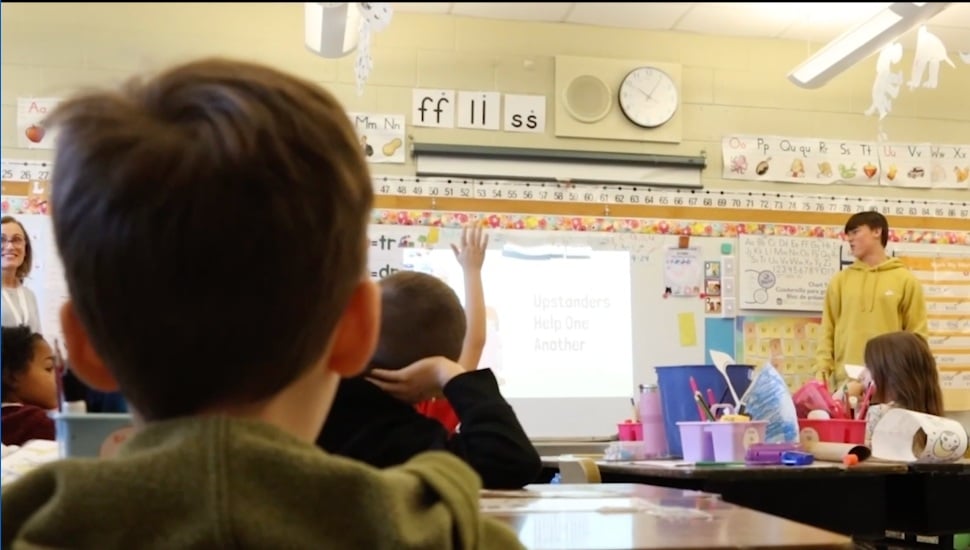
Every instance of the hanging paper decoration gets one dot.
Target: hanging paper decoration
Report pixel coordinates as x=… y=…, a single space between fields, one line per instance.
x=930 y=52
x=374 y=17
x=886 y=86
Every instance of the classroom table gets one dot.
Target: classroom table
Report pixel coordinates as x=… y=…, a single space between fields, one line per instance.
x=863 y=501
x=632 y=516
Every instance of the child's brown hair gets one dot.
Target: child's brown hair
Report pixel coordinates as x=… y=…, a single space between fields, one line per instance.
x=904 y=372
x=421 y=316
x=212 y=224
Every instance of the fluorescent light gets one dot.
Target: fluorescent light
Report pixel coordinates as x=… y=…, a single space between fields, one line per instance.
x=864 y=40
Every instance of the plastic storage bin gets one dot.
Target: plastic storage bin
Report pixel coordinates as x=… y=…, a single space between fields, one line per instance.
x=84 y=434
x=719 y=441
x=677 y=398
x=836 y=430
x=732 y=439
x=698 y=445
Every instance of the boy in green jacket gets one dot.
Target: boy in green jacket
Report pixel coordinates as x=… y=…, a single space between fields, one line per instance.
x=212 y=226
x=873 y=296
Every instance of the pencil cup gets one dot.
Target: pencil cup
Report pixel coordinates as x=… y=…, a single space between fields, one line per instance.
x=630 y=431
x=732 y=439
x=696 y=441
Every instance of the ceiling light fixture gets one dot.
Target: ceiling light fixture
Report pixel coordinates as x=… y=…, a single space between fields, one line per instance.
x=862 y=41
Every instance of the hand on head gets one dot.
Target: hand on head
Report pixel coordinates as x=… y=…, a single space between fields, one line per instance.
x=418 y=381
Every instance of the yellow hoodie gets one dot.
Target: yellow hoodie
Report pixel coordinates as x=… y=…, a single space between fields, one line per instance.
x=863 y=302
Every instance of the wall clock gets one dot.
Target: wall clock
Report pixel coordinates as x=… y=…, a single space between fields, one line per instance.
x=648 y=97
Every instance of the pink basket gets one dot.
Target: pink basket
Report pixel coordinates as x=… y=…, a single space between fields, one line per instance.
x=836 y=430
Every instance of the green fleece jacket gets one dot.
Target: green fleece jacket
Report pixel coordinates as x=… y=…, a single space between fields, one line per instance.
x=227 y=483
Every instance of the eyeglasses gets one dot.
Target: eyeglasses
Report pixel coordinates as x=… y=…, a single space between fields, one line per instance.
x=17 y=241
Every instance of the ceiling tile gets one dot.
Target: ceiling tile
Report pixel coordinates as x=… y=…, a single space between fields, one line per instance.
x=657 y=16
x=526 y=11
x=422 y=7
x=740 y=19
x=957 y=15
x=817 y=22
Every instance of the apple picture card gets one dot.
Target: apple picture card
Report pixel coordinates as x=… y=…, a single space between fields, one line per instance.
x=907 y=436
x=31 y=112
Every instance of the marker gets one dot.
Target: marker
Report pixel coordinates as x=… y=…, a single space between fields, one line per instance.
x=703 y=406
x=697 y=392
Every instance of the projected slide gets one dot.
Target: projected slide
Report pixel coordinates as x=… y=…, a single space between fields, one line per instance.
x=558 y=319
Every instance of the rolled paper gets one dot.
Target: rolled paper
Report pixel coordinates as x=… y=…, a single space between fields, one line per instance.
x=836 y=452
x=908 y=436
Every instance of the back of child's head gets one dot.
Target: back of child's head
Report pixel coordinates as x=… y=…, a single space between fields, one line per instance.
x=212 y=225
x=20 y=348
x=421 y=316
x=904 y=372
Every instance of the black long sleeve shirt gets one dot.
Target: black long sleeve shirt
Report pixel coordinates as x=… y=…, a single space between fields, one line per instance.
x=369 y=425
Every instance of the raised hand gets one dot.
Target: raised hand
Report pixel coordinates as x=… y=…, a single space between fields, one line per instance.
x=471 y=254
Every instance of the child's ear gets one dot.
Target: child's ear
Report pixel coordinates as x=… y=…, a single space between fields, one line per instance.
x=355 y=336
x=85 y=361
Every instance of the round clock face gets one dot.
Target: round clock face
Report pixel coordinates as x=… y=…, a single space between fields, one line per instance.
x=648 y=97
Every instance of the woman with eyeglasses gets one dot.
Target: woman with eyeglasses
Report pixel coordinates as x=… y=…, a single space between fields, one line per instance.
x=19 y=302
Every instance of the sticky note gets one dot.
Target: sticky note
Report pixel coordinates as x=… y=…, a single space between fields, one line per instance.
x=725 y=248
x=433 y=235
x=688 y=330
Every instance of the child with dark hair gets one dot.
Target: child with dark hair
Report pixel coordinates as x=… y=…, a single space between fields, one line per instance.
x=229 y=360
x=29 y=387
x=423 y=352
x=904 y=373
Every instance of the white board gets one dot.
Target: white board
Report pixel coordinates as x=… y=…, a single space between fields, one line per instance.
x=572 y=405
x=783 y=273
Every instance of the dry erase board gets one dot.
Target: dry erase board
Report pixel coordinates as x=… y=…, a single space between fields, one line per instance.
x=576 y=320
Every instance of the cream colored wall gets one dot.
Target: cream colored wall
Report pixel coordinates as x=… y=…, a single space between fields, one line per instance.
x=730 y=85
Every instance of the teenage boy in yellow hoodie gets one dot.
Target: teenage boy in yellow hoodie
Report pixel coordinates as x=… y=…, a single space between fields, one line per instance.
x=212 y=222
x=873 y=296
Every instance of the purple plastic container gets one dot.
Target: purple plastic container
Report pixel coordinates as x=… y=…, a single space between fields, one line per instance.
x=763 y=454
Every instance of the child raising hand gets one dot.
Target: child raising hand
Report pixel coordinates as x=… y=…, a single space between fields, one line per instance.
x=471 y=257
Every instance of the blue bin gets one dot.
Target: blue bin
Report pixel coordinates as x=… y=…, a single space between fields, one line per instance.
x=677 y=399
x=83 y=434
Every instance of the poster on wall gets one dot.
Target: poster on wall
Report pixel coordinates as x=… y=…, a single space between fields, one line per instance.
x=683 y=272
x=789 y=343
x=946 y=287
x=785 y=273
x=31 y=133
x=827 y=161
x=381 y=137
